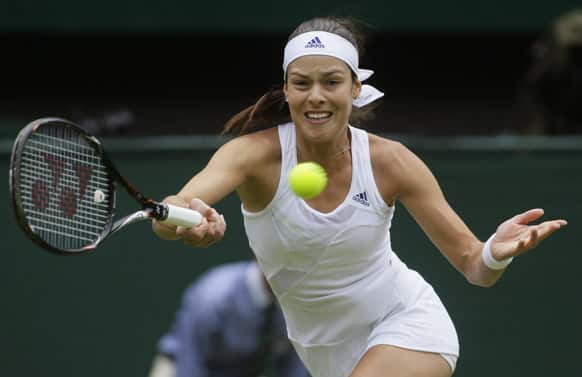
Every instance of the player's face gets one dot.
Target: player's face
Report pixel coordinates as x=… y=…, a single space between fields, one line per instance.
x=320 y=91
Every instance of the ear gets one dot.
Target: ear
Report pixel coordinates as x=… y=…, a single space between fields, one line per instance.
x=356 y=89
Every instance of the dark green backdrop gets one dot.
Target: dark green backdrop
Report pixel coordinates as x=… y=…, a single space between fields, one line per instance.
x=101 y=314
x=265 y=15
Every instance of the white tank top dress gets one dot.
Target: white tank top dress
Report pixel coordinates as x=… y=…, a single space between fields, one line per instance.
x=341 y=287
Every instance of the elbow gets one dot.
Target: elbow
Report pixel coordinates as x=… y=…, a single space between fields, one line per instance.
x=483 y=283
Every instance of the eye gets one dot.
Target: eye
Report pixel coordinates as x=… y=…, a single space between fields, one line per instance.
x=301 y=84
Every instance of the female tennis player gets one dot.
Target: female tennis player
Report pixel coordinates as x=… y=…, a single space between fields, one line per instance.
x=352 y=307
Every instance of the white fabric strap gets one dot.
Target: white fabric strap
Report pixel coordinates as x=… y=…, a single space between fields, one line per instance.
x=491 y=262
x=329 y=44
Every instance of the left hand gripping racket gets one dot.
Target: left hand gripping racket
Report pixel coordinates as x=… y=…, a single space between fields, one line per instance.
x=63 y=189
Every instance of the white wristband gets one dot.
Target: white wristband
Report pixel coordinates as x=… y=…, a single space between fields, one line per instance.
x=488 y=259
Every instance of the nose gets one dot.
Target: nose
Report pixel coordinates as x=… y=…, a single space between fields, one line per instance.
x=316 y=96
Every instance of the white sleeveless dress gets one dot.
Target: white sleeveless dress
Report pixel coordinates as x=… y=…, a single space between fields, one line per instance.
x=341 y=287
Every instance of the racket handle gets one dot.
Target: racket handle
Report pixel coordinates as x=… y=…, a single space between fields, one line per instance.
x=181 y=216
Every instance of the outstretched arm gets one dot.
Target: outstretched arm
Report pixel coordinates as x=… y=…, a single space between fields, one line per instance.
x=419 y=191
x=225 y=171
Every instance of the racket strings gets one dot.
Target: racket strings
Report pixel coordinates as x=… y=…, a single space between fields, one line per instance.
x=60 y=177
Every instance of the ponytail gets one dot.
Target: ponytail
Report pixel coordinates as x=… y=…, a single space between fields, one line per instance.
x=269 y=110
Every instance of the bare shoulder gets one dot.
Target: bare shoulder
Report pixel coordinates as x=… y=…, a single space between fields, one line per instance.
x=264 y=144
x=254 y=149
x=258 y=157
x=393 y=164
x=389 y=155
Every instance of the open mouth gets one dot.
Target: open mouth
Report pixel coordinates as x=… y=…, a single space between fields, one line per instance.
x=318 y=116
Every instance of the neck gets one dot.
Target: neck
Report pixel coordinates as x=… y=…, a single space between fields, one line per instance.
x=326 y=154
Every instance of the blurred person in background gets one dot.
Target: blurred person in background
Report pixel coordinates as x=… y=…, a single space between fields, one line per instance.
x=553 y=84
x=228 y=325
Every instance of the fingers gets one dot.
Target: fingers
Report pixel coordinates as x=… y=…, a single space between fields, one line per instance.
x=164 y=231
x=529 y=241
x=538 y=233
x=210 y=230
x=515 y=236
x=216 y=226
x=546 y=228
x=216 y=222
x=204 y=209
x=528 y=216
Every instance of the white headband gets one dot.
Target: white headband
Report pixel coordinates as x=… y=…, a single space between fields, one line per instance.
x=329 y=44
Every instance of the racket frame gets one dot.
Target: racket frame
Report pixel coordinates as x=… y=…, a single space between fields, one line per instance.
x=150 y=208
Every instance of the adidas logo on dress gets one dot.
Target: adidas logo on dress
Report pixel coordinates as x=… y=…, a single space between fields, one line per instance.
x=315 y=43
x=362 y=198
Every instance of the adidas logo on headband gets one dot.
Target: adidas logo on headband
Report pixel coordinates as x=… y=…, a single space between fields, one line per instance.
x=315 y=43
x=336 y=46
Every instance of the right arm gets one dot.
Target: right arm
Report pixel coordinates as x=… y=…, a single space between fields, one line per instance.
x=237 y=165
x=223 y=174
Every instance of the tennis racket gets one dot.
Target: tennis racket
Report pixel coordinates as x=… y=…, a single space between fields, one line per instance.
x=63 y=189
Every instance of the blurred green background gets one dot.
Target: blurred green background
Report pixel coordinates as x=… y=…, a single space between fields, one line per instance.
x=268 y=16
x=148 y=75
x=101 y=314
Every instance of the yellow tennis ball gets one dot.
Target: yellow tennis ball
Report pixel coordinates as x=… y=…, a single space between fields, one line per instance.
x=307 y=179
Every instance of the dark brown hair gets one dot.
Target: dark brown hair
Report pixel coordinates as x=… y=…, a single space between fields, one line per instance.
x=271 y=108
